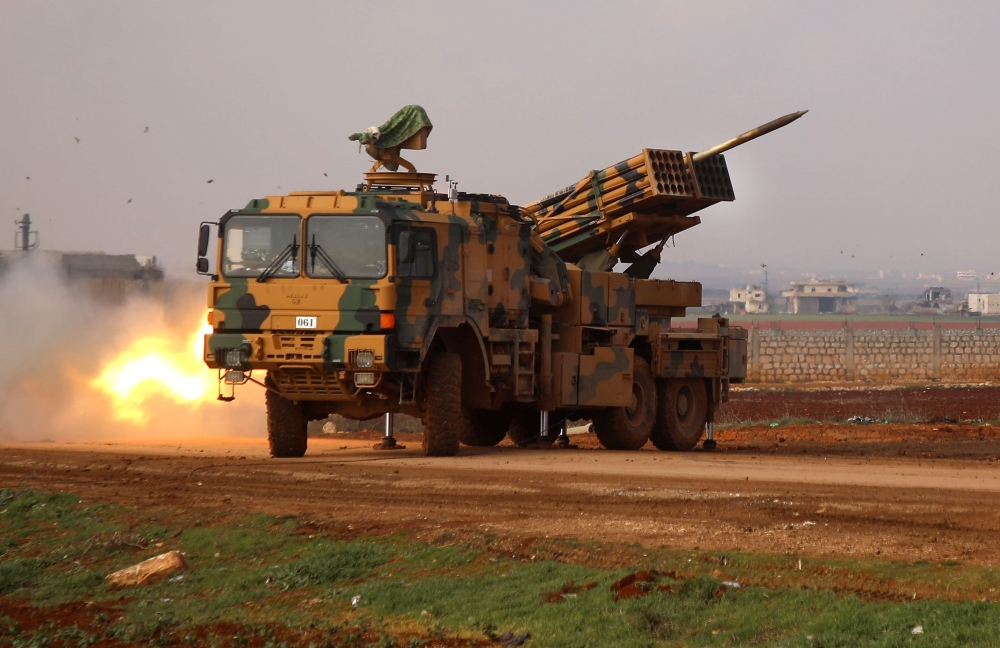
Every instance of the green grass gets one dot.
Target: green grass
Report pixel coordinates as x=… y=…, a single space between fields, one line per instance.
x=266 y=581
x=780 y=422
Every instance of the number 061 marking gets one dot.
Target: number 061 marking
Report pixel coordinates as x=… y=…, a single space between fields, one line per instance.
x=305 y=322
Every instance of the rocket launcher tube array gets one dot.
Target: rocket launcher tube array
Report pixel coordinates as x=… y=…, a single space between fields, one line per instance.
x=656 y=183
x=609 y=172
x=608 y=195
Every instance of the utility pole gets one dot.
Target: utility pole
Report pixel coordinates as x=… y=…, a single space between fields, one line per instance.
x=23 y=238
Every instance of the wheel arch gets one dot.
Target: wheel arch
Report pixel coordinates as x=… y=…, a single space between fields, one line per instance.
x=642 y=347
x=465 y=341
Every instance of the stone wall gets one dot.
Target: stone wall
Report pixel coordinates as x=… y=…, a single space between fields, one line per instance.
x=850 y=354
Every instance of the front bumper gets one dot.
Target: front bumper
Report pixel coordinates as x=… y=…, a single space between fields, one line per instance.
x=315 y=365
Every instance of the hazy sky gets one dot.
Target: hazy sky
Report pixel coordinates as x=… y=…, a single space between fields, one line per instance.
x=897 y=156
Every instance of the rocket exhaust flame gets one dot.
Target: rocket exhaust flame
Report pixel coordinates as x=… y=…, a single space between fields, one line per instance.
x=75 y=370
x=157 y=365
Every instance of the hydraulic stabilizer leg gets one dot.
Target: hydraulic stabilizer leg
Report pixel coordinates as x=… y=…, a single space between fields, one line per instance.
x=563 y=439
x=388 y=440
x=709 y=443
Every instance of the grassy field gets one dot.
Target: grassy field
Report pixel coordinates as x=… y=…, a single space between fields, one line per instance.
x=267 y=581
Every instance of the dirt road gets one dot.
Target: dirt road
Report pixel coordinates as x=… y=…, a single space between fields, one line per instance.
x=834 y=490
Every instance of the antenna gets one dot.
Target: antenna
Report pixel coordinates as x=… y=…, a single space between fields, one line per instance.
x=25 y=238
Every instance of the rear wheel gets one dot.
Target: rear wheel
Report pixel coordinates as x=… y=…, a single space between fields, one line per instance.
x=488 y=427
x=681 y=414
x=447 y=420
x=287 y=423
x=629 y=427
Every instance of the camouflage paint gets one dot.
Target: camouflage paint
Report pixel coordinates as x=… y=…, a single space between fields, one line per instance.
x=650 y=195
x=621 y=300
x=592 y=298
x=239 y=306
x=488 y=255
x=334 y=355
x=692 y=364
x=608 y=382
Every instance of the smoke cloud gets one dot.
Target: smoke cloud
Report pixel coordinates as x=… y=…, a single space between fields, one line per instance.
x=56 y=340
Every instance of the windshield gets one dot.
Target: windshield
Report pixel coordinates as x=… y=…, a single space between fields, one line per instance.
x=253 y=242
x=355 y=244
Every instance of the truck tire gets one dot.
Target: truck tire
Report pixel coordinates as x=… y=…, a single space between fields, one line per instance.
x=287 y=424
x=628 y=428
x=447 y=420
x=524 y=428
x=488 y=427
x=680 y=416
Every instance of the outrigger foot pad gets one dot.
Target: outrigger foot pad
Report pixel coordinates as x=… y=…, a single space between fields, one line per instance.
x=562 y=441
x=709 y=444
x=389 y=443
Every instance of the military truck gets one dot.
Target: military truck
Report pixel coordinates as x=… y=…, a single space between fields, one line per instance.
x=484 y=319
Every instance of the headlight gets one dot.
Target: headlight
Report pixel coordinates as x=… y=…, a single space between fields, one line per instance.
x=234 y=358
x=364 y=359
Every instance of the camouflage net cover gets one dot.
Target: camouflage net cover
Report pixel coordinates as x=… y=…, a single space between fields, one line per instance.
x=400 y=127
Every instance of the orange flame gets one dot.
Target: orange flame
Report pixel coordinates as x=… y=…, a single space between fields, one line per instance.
x=157 y=366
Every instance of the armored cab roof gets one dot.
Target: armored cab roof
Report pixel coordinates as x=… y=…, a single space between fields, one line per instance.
x=432 y=207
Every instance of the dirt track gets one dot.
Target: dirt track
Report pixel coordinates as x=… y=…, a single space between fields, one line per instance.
x=828 y=490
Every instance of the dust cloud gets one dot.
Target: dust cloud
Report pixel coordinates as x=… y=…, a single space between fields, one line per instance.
x=61 y=355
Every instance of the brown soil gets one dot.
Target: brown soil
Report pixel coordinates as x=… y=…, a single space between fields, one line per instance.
x=901 y=492
x=639 y=584
x=88 y=619
x=569 y=590
x=909 y=404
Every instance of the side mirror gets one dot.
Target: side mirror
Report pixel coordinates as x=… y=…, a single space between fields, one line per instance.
x=202 y=265
x=203 y=237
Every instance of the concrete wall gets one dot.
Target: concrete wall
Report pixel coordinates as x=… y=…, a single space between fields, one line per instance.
x=850 y=354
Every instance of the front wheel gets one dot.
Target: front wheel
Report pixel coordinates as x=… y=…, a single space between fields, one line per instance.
x=287 y=423
x=680 y=417
x=629 y=427
x=447 y=420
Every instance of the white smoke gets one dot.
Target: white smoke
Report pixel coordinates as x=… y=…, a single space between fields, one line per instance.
x=55 y=340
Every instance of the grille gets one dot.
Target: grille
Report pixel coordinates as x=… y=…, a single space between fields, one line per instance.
x=295 y=342
x=305 y=382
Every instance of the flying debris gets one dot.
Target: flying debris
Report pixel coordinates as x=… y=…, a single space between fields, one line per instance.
x=325 y=176
x=77 y=139
x=147 y=130
x=210 y=181
x=128 y=201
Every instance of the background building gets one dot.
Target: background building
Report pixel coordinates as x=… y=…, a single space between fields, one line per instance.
x=750 y=300
x=984 y=303
x=816 y=297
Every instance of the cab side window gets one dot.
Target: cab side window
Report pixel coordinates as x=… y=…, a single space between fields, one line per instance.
x=415 y=252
